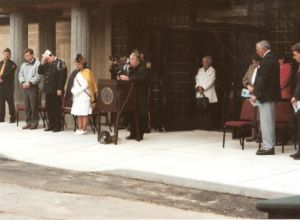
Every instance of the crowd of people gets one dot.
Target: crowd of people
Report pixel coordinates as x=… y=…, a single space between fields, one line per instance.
x=268 y=80
x=51 y=75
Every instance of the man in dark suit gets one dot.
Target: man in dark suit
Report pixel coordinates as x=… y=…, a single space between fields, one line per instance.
x=7 y=80
x=296 y=96
x=55 y=75
x=266 y=93
x=141 y=76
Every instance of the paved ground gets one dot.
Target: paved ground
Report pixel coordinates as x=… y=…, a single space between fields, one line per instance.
x=30 y=191
x=192 y=159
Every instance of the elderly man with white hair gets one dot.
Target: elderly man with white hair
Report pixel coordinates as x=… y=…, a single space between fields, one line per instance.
x=267 y=92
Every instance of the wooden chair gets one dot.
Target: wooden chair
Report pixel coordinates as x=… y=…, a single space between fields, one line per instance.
x=66 y=110
x=43 y=110
x=247 y=120
x=20 y=107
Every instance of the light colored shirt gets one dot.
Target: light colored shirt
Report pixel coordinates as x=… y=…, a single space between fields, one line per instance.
x=206 y=79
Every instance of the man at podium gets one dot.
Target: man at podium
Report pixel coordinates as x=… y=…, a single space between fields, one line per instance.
x=140 y=76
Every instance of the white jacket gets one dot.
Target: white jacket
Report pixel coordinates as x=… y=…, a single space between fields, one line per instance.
x=206 y=79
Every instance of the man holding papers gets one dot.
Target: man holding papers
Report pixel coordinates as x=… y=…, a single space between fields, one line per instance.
x=296 y=97
x=267 y=92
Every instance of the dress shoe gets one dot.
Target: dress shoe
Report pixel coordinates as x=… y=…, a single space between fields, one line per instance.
x=27 y=126
x=12 y=119
x=49 y=129
x=130 y=137
x=297 y=154
x=33 y=127
x=56 y=130
x=292 y=155
x=265 y=152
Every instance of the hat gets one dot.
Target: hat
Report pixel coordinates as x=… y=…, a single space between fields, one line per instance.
x=47 y=53
x=105 y=137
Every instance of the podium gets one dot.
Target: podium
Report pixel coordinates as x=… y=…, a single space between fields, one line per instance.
x=116 y=97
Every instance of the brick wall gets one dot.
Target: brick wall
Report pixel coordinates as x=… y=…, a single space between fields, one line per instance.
x=33 y=39
x=63 y=42
x=4 y=37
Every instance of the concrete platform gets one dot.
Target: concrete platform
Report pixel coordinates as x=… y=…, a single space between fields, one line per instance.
x=193 y=159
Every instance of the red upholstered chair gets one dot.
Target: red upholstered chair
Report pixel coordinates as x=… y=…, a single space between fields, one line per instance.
x=247 y=120
x=284 y=124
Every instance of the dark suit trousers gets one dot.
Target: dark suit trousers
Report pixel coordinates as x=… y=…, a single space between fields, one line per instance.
x=142 y=122
x=54 y=107
x=9 y=98
x=298 y=129
x=31 y=97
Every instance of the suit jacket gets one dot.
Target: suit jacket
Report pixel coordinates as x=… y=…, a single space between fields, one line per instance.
x=55 y=76
x=296 y=92
x=8 y=77
x=141 y=77
x=247 y=79
x=267 y=85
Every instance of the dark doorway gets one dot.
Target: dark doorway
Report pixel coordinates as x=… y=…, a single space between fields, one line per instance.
x=176 y=54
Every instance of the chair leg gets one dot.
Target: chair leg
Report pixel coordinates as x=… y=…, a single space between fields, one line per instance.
x=243 y=143
x=224 y=131
x=95 y=123
x=259 y=140
x=17 y=114
x=75 y=123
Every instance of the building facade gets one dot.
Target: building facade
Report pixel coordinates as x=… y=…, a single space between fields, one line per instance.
x=174 y=34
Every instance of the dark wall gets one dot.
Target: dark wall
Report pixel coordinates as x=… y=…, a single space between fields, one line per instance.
x=175 y=44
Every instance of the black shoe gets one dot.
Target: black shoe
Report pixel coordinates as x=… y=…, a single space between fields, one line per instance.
x=1 y=121
x=130 y=137
x=49 y=129
x=265 y=152
x=57 y=130
x=297 y=154
x=292 y=155
x=33 y=127
x=12 y=119
x=139 y=139
x=26 y=126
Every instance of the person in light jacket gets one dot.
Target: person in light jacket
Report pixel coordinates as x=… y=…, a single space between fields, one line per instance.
x=29 y=80
x=205 y=86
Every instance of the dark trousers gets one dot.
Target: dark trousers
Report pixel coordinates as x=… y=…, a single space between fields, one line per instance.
x=142 y=122
x=31 y=97
x=9 y=98
x=54 y=107
x=298 y=129
x=205 y=117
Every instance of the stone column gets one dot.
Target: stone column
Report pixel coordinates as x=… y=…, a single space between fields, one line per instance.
x=47 y=34
x=80 y=33
x=18 y=42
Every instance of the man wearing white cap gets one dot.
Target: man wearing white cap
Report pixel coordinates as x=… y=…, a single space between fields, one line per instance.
x=55 y=74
